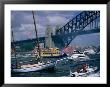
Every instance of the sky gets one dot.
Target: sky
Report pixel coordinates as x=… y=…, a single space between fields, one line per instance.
x=23 y=26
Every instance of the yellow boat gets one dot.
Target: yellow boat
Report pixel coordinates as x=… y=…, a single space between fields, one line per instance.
x=51 y=53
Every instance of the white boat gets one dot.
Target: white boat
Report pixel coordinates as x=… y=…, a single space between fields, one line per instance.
x=89 y=51
x=78 y=56
x=34 y=67
x=88 y=71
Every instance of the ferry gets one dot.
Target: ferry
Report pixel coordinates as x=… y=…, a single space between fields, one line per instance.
x=51 y=53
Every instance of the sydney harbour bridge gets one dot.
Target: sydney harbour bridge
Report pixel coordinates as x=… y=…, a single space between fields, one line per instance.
x=86 y=22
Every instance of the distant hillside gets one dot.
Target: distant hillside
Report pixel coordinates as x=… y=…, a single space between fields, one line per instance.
x=29 y=46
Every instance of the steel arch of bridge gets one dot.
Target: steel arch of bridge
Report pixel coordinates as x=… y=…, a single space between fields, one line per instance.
x=76 y=26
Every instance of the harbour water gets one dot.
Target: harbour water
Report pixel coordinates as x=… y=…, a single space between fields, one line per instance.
x=62 y=68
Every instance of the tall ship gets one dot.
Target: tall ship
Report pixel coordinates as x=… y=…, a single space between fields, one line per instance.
x=40 y=65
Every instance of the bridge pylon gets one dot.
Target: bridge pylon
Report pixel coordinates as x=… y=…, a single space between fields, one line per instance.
x=48 y=37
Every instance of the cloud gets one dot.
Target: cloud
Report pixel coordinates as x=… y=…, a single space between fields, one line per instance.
x=27 y=31
x=26 y=27
x=22 y=22
x=21 y=17
x=56 y=20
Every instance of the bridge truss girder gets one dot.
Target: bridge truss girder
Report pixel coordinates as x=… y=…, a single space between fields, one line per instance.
x=77 y=25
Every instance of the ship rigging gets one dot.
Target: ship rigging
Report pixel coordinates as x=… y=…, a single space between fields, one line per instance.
x=32 y=67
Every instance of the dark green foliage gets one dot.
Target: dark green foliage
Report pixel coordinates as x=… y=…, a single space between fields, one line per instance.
x=27 y=46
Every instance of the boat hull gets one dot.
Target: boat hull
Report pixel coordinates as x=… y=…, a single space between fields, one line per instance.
x=47 y=66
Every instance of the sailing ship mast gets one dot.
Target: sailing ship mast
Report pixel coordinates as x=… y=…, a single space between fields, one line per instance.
x=14 y=47
x=39 y=55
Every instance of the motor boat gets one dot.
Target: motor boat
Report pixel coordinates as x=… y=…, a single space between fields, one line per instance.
x=89 y=51
x=86 y=71
x=79 y=55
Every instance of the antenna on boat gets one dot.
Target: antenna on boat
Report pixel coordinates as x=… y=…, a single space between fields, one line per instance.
x=39 y=55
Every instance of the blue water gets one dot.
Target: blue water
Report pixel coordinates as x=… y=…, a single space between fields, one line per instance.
x=62 y=67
